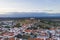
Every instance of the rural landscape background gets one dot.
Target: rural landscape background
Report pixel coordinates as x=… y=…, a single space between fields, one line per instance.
x=29 y=19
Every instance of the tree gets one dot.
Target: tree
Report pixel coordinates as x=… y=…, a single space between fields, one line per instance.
x=17 y=25
x=7 y=26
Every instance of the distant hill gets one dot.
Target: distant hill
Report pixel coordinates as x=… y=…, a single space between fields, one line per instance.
x=30 y=14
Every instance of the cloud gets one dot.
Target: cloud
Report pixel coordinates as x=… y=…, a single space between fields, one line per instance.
x=30 y=6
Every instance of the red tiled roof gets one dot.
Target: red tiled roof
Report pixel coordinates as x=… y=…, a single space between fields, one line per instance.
x=12 y=38
x=28 y=30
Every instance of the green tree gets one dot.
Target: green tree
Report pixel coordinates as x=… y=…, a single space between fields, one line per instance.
x=17 y=25
x=7 y=26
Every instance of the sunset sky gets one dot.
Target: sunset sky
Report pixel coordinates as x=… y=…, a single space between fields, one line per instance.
x=30 y=6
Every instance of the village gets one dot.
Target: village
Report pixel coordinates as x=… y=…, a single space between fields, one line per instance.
x=29 y=29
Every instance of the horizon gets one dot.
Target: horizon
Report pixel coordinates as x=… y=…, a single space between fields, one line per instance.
x=30 y=14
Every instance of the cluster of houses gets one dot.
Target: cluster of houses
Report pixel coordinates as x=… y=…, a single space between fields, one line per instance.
x=28 y=30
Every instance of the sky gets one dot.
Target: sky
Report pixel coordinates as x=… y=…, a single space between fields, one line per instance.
x=51 y=6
